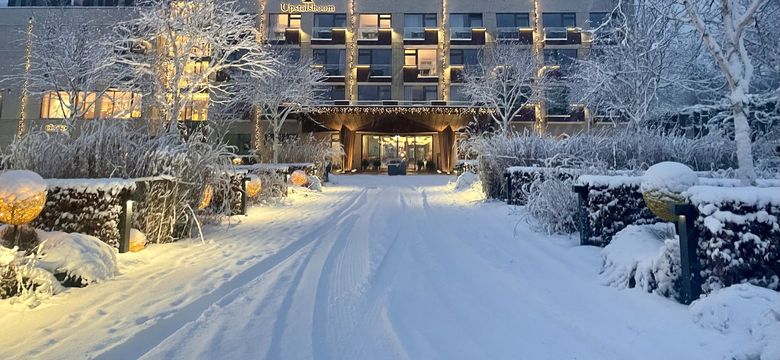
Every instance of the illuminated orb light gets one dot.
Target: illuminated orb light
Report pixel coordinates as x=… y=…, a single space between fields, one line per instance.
x=299 y=178
x=205 y=198
x=662 y=187
x=22 y=196
x=253 y=185
x=137 y=240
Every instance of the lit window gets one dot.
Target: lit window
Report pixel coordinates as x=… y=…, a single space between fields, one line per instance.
x=197 y=109
x=120 y=105
x=370 y=25
x=279 y=23
x=58 y=105
x=423 y=59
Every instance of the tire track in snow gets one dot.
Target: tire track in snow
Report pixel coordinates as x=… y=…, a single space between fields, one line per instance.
x=147 y=339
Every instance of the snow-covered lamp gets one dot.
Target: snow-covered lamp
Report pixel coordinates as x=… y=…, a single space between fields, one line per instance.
x=663 y=185
x=22 y=196
x=299 y=178
x=253 y=185
x=205 y=198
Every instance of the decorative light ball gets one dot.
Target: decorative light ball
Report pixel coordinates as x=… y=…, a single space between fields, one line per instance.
x=299 y=178
x=137 y=240
x=205 y=198
x=663 y=185
x=253 y=185
x=22 y=196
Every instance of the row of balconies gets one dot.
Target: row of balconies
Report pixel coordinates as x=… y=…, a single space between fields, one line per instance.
x=430 y=36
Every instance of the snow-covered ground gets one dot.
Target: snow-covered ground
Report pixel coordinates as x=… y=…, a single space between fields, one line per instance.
x=374 y=267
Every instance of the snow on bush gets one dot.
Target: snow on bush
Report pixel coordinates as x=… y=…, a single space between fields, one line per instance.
x=523 y=177
x=314 y=183
x=669 y=177
x=81 y=258
x=616 y=149
x=613 y=203
x=739 y=235
x=643 y=256
x=22 y=280
x=86 y=206
x=748 y=312
x=553 y=205
x=303 y=149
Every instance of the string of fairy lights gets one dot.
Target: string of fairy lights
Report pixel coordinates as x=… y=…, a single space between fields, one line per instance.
x=26 y=84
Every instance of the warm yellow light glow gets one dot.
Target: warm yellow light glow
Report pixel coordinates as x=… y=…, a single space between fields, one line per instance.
x=205 y=198
x=26 y=84
x=253 y=185
x=120 y=105
x=299 y=178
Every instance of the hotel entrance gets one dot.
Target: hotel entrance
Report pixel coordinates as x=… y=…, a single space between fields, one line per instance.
x=416 y=150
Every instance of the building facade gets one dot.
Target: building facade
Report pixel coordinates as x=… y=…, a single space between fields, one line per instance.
x=393 y=88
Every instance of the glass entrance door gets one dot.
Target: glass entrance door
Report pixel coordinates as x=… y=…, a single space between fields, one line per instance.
x=417 y=151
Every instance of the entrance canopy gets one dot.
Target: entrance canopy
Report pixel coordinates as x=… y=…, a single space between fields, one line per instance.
x=393 y=119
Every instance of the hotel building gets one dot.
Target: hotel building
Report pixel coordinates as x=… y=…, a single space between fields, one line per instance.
x=393 y=84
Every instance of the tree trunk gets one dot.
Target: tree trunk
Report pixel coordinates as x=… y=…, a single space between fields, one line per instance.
x=747 y=171
x=275 y=148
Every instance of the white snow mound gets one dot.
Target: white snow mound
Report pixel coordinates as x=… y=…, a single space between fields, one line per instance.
x=78 y=255
x=670 y=176
x=465 y=181
x=632 y=254
x=747 y=311
x=20 y=184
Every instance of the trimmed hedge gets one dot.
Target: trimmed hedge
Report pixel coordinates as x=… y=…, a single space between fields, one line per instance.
x=739 y=235
x=613 y=203
x=86 y=206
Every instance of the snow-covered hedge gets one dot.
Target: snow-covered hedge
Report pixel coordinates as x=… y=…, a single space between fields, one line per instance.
x=739 y=235
x=613 y=203
x=86 y=206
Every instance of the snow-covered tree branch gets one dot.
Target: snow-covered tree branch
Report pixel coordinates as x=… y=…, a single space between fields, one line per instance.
x=503 y=81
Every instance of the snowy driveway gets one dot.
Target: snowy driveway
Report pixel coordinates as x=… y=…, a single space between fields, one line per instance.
x=375 y=268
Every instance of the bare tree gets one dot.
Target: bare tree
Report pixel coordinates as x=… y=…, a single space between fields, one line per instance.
x=503 y=81
x=293 y=85
x=72 y=64
x=722 y=26
x=185 y=51
x=639 y=64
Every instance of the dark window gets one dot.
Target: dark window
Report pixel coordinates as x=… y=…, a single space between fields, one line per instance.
x=420 y=93
x=465 y=57
x=473 y=20
x=330 y=20
x=373 y=92
x=420 y=20
x=331 y=60
x=380 y=60
x=562 y=57
x=597 y=18
x=336 y=92
x=559 y=20
x=512 y=20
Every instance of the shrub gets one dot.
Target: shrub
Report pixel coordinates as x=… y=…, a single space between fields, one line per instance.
x=553 y=205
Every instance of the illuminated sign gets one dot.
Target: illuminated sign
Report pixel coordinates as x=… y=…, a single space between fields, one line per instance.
x=307 y=6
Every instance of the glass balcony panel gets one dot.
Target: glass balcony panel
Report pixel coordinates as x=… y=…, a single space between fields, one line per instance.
x=555 y=33
x=322 y=33
x=414 y=33
x=368 y=33
x=460 y=33
x=511 y=33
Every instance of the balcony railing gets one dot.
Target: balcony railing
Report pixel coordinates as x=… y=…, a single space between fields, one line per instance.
x=555 y=33
x=370 y=33
x=322 y=33
x=332 y=69
x=380 y=70
x=460 y=33
x=427 y=71
x=508 y=33
x=277 y=34
x=414 y=33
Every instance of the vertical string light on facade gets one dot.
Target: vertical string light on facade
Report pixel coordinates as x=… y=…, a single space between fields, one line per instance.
x=26 y=84
x=352 y=50
x=261 y=29
x=538 y=46
x=444 y=52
